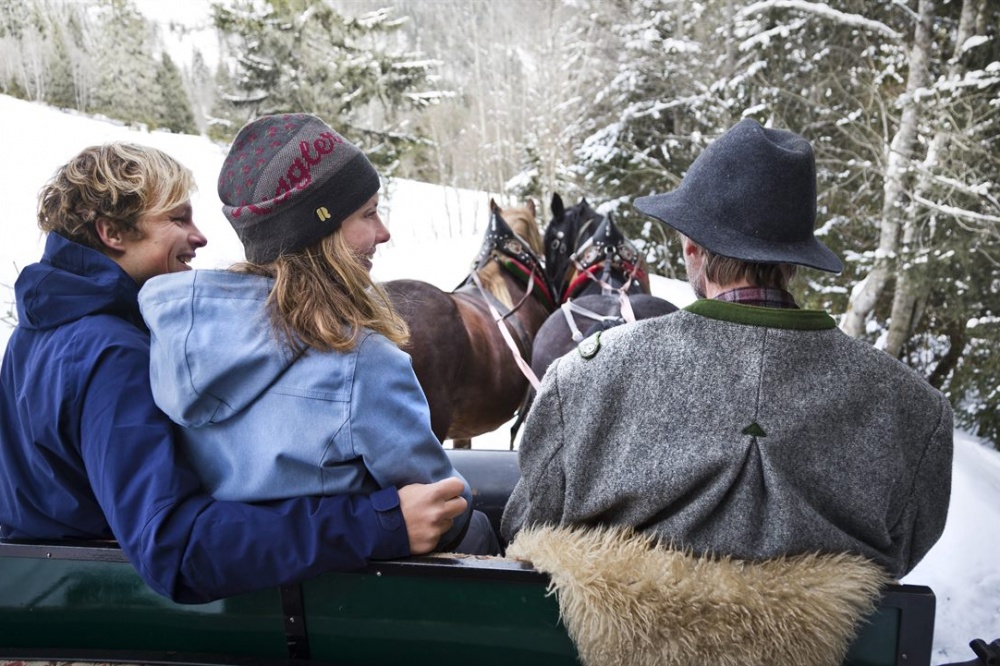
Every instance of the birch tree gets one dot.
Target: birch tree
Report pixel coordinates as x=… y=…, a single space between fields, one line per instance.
x=897 y=161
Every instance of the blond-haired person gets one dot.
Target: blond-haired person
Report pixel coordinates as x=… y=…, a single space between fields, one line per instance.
x=285 y=371
x=84 y=450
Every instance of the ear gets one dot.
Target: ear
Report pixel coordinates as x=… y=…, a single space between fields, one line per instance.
x=493 y=205
x=531 y=207
x=557 y=206
x=109 y=234
x=689 y=247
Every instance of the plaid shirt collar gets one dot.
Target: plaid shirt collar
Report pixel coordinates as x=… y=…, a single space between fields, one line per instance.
x=762 y=297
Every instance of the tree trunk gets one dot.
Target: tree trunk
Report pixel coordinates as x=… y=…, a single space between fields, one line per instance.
x=867 y=292
x=948 y=362
x=903 y=319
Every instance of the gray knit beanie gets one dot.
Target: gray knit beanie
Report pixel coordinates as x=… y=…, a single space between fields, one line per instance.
x=288 y=181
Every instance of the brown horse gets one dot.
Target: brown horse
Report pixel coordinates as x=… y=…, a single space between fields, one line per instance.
x=461 y=356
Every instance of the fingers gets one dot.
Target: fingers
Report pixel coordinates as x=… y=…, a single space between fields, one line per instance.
x=429 y=510
x=449 y=491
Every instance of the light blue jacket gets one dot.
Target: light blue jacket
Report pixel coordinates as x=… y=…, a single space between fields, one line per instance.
x=261 y=423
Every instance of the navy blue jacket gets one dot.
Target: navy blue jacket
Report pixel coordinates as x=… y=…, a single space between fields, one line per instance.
x=86 y=454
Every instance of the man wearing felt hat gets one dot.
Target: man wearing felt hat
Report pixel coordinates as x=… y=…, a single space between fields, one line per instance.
x=741 y=425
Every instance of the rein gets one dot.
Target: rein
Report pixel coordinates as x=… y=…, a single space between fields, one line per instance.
x=569 y=307
x=606 y=288
x=498 y=319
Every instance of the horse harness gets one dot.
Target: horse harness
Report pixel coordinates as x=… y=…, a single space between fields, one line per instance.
x=605 y=251
x=513 y=255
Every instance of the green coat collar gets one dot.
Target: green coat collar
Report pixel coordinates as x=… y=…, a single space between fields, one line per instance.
x=800 y=320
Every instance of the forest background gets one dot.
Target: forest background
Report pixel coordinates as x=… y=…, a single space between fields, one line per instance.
x=609 y=100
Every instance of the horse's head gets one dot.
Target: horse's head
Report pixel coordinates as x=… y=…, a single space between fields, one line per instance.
x=606 y=258
x=512 y=241
x=563 y=235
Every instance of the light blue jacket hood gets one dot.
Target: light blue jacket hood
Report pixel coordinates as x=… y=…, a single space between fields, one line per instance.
x=215 y=352
x=262 y=422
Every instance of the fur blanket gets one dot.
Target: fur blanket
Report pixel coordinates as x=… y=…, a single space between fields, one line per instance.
x=625 y=600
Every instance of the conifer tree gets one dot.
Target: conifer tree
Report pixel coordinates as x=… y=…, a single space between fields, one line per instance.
x=174 y=110
x=302 y=55
x=62 y=87
x=126 y=88
x=201 y=87
x=14 y=19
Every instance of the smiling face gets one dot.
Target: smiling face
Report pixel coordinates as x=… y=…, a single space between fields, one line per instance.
x=363 y=231
x=166 y=244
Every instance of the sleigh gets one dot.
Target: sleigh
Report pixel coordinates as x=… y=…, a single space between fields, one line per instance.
x=85 y=603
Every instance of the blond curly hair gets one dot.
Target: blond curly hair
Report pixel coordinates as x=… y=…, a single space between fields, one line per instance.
x=120 y=182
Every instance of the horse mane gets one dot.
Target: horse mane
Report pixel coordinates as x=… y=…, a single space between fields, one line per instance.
x=522 y=220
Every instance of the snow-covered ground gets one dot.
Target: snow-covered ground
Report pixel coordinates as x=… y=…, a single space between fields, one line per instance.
x=436 y=233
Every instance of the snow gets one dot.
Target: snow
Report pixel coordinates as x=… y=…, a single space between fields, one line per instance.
x=184 y=26
x=436 y=233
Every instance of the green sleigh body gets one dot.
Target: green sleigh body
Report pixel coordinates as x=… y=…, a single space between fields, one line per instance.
x=85 y=603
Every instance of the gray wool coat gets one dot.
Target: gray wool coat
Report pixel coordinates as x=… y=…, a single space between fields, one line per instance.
x=743 y=431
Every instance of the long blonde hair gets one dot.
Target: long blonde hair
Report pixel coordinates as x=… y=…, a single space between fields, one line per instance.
x=323 y=297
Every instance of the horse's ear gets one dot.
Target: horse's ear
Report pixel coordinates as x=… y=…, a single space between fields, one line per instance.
x=531 y=207
x=583 y=202
x=493 y=205
x=557 y=207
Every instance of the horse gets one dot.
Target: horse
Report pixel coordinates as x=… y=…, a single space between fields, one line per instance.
x=469 y=345
x=564 y=234
x=604 y=283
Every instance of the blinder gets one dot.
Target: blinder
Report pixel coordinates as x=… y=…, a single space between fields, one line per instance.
x=609 y=246
x=500 y=241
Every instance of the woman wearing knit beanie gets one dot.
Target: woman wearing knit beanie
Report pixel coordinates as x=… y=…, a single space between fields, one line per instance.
x=285 y=371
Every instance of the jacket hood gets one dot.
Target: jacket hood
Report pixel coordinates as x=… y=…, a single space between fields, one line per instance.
x=212 y=349
x=71 y=282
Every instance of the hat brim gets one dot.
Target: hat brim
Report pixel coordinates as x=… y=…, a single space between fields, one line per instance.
x=679 y=214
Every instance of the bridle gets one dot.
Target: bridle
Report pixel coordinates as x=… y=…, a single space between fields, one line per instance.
x=502 y=245
x=576 y=223
x=514 y=255
x=606 y=250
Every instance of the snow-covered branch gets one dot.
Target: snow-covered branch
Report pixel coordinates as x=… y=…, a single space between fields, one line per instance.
x=824 y=11
x=958 y=213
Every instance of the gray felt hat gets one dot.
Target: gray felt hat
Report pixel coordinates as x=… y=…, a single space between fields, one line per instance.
x=288 y=181
x=750 y=195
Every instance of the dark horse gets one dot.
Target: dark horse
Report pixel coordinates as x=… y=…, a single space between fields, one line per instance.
x=463 y=356
x=602 y=278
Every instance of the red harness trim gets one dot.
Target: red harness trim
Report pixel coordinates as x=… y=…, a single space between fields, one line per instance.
x=525 y=273
x=583 y=277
